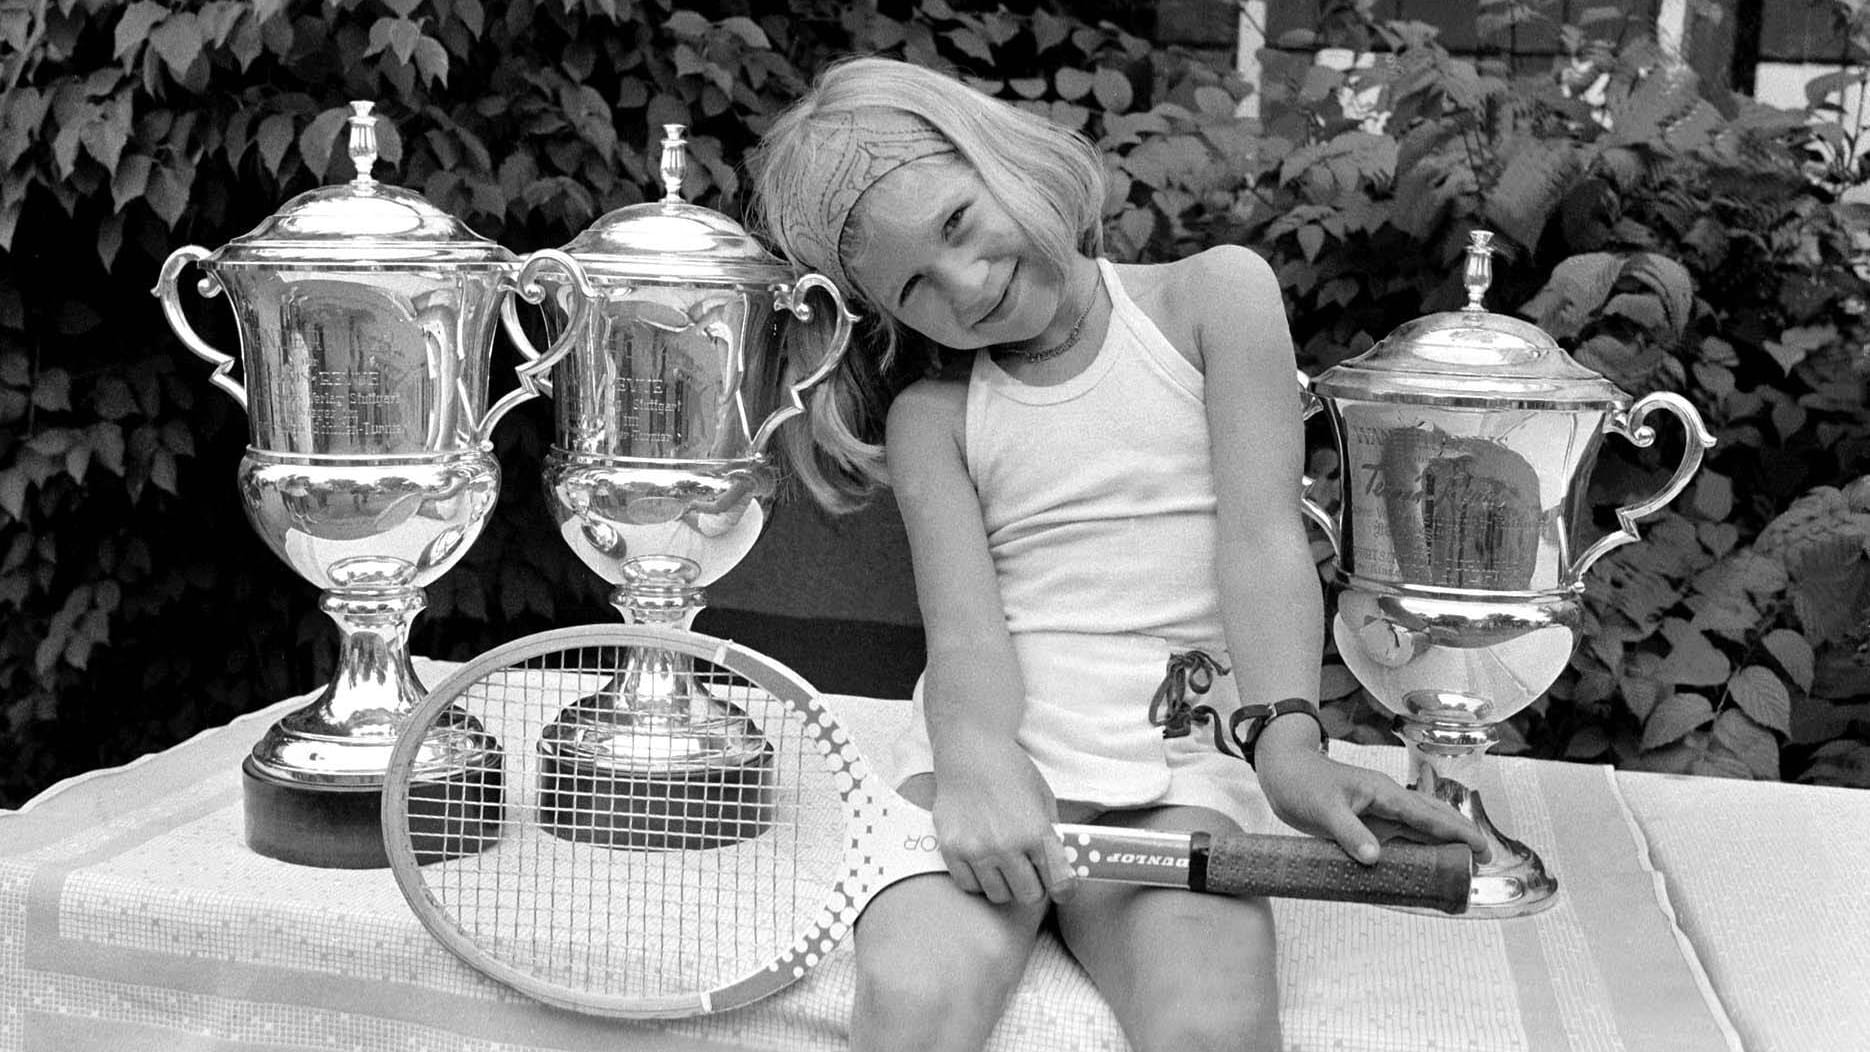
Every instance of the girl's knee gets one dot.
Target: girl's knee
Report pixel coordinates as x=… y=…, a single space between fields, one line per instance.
x=1239 y=1024
x=934 y=994
x=907 y=964
x=935 y=969
x=1213 y=1004
x=1181 y=971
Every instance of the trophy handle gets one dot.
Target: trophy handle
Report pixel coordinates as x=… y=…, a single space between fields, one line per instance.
x=1310 y=405
x=532 y=372
x=208 y=286
x=792 y=298
x=1629 y=424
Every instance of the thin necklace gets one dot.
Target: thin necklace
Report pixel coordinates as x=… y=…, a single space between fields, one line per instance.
x=1070 y=340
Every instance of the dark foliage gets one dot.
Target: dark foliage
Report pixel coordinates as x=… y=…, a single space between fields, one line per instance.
x=1668 y=245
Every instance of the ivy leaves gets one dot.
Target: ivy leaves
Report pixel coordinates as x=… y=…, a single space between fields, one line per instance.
x=1668 y=248
x=1664 y=245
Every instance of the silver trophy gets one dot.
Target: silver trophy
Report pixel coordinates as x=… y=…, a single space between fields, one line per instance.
x=366 y=319
x=659 y=481
x=1466 y=440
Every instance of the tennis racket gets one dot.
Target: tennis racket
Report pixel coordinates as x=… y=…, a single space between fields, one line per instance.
x=650 y=823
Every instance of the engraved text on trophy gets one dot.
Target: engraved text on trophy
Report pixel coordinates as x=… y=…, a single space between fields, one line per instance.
x=355 y=403
x=1439 y=510
x=649 y=414
x=353 y=375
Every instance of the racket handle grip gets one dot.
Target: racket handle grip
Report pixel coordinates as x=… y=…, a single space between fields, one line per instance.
x=1433 y=876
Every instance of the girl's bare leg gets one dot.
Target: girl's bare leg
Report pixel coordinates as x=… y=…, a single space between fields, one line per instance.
x=1182 y=971
x=935 y=964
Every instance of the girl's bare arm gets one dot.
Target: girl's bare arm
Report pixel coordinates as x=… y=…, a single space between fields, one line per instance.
x=1271 y=605
x=992 y=810
x=1271 y=602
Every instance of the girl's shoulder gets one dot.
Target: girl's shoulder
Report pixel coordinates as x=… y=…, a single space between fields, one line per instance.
x=1193 y=279
x=932 y=402
x=1210 y=291
x=1190 y=287
x=926 y=431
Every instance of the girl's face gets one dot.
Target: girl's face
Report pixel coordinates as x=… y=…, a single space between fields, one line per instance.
x=941 y=255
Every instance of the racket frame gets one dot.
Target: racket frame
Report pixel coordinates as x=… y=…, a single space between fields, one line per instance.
x=907 y=845
x=864 y=873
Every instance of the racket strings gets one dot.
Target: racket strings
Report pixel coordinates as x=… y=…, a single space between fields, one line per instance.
x=628 y=838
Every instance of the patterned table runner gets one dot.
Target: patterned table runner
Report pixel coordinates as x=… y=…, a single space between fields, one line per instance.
x=133 y=916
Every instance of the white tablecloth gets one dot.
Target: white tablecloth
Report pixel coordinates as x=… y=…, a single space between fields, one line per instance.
x=133 y=916
x=1768 y=884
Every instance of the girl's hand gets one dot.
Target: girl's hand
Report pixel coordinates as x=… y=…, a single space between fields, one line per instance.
x=994 y=824
x=1352 y=805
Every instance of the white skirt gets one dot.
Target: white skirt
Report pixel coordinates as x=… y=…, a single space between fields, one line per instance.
x=1087 y=728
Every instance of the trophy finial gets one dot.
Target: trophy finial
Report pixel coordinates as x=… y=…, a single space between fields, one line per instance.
x=1478 y=273
x=674 y=161
x=363 y=144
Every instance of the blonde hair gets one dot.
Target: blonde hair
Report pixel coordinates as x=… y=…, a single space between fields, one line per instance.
x=1049 y=178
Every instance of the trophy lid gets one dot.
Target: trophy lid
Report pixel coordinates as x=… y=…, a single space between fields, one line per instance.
x=1470 y=357
x=671 y=240
x=361 y=222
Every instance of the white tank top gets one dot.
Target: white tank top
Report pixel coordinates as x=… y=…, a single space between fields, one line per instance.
x=1099 y=503
x=1098 y=492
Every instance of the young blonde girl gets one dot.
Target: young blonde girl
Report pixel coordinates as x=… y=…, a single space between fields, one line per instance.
x=1098 y=468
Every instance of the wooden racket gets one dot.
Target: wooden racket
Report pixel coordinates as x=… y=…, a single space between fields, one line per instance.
x=698 y=831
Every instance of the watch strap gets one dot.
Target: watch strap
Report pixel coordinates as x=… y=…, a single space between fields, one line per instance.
x=1250 y=721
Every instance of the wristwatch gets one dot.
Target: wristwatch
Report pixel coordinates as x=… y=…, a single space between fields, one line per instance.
x=1251 y=720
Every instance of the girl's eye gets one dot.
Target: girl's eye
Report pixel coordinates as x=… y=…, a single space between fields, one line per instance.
x=948 y=228
x=954 y=221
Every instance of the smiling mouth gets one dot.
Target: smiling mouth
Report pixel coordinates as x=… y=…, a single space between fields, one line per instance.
x=1006 y=293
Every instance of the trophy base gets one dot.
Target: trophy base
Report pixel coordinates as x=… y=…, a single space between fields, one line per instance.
x=325 y=826
x=1513 y=882
x=457 y=815
x=341 y=826
x=653 y=761
x=593 y=802
x=1447 y=734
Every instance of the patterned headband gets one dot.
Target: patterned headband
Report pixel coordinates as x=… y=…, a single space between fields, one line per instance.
x=852 y=151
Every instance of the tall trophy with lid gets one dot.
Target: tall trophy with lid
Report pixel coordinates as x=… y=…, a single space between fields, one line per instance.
x=366 y=319
x=659 y=480
x=1466 y=440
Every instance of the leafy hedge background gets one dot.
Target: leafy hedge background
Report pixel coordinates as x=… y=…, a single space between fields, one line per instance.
x=1672 y=239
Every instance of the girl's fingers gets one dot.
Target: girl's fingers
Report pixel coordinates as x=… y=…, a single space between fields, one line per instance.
x=992 y=883
x=1387 y=829
x=1022 y=874
x=1344 y=826
x=1026 y=878
x=1055 y=867
x=1359 y=808
x=963 y=873
x=1418 y=816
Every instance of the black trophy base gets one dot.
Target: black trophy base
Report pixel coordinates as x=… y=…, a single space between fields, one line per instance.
x=330 y=827
x=656 y=810
x=342 y=827
x=457 y=816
